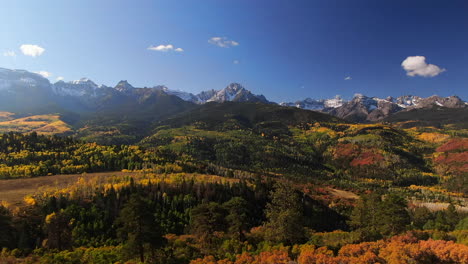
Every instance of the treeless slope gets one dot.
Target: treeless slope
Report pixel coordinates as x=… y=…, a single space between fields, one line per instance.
x=42 y=124
x=13 y=191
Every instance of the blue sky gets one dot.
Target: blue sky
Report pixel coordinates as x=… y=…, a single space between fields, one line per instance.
x=286 y=50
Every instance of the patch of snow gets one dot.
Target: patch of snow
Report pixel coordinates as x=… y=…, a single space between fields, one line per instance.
x=334 y=103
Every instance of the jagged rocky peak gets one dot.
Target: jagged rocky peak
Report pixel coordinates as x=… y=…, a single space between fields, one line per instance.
x=181 y=94
x=234 y=87
x=407 y=100
x=124 y=86
x=237 y=93
x=450 y=101
x=206 y=95
x=83 y=80
x=81 y=87
x=317 y=104
x=163 y=88
x=335 y=102
x=410 y=101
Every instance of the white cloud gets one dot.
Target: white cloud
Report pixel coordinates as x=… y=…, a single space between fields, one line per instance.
x=236 y=62
x=223 y=42
x=44 y=74
x=416 y=65
x=9 y=53
x=60 y=78
x=32 y=50
x=165 y=48
x=347 y=78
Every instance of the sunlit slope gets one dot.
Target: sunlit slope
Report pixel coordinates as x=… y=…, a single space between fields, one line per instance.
x=42 y=124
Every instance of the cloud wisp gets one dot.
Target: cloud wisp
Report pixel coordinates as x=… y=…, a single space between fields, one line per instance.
x=223 y=42
x=9 y=53
x=165 y=48
x=32 y=50
x=417 y=66
x=60 y=78
x=44 y=74
x=348 y=78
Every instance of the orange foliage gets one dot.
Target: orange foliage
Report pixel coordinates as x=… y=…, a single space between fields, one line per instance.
x=275 y=256
x=244 y=258
x=446 y=251
x=206 y=260
x=399 y=249
x=454 y=144
x=367 y=158
x=345 y=150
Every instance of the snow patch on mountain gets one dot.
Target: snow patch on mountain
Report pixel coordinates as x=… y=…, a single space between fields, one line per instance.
x=81 y=87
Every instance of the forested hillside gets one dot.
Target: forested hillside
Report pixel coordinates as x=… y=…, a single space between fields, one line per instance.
x=243 y=183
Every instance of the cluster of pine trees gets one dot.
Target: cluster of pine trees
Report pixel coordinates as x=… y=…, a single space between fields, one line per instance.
x=180 y=222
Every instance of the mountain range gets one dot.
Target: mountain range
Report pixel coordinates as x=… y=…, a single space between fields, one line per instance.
x=22 y=91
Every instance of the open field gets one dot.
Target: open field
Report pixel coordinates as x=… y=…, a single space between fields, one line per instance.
x=42 y=124
x=13 y=191
x=6 y=116
x=344 y=194
x=439 y=206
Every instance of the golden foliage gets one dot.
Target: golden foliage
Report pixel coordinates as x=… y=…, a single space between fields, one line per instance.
x=433 y=137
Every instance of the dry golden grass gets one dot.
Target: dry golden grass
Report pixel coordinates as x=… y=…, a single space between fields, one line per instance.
x=6 y=116
x=439 y=206
x=13 y=191
x=343 y=194
x=433 y=137
x=42 y=124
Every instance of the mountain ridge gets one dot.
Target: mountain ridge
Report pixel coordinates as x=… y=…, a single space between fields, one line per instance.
x=84 y=95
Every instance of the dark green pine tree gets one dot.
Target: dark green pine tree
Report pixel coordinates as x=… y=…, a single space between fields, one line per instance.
x=452 y=216
x=6 y=228
x=365 y=218
x=138 y=228
x=393 y=215
x=238 y=217
x=284 y=216
x=205 y=220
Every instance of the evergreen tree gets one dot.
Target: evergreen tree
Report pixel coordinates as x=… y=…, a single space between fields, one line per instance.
x=138 y=228
x=393 y=215
x=365 y=218
x=58 y=231
x=238 y=217
x=284 y=216
x=452 y=216
x=420 y=216
x=6 y=228
x=205 y=220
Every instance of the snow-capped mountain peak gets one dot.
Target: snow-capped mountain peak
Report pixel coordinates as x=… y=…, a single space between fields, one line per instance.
x=181 y=94
x=317 y=105
x=334 y=102
x=124 y=86
x=236 y=93
x=81 y=87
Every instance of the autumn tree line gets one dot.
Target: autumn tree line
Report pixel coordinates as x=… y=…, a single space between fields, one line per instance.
x=208 y=221
x=28 y=155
